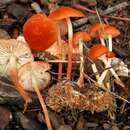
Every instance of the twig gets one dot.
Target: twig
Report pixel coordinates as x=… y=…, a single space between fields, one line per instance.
x=106 y=16
x=80 y=22
x=61 y=61
x=115 y=8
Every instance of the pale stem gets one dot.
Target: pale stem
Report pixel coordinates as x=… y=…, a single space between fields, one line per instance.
x=94 y=68
x=70 y=48
x=102 y=41
x=110 y=42
x=81 y=78
x=45 y=111
x=103 y=75
x=60 y=56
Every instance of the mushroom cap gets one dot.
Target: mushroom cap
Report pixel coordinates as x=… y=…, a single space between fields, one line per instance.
x=34 y=70
x=109 y=30
x=96 y=51
x=65 y=12
x=40 y=32
x=95 y=30
x=18 y=49
x=110 y=54
x=80 y=36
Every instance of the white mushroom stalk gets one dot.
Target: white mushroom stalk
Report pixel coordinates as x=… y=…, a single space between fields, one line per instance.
x=13 y=54
x=70 y=48
x=102 y=41
x=33 y=77
x=81 y=78
x=110 y=43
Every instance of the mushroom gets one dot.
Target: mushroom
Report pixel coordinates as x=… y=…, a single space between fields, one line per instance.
x=99 y=51
x=33 y=76
x=95 y=52
x=65 y=13
x=40 y=32
x=96 y=29
x=79 y=38
x=13 y=54
x=109 y=32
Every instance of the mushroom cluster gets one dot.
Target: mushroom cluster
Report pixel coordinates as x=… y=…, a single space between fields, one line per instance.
x=45 y=33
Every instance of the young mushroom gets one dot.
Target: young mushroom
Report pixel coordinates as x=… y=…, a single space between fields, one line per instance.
x=78 y=40
x=13 y=54
x=99 y=51
x=33 y=76
x=65 y=13
x=108 y=33
x=95 y=52
x=96 y=29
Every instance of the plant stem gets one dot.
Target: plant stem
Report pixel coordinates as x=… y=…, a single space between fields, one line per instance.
x=45 y=111
x=81 y=78
x=70 y=48
x=110 y=42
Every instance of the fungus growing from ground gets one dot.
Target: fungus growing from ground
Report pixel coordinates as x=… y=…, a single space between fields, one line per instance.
x=65 y=13
x=33 y=76
x=13 y=54
x=78 y=40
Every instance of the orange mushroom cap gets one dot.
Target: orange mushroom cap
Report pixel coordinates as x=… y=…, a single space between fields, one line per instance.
x=110 y=54
x=109 y=30
x=65 y=12
x=96 y=51
x=80 y=35
x=96 y=29
x=40 y=32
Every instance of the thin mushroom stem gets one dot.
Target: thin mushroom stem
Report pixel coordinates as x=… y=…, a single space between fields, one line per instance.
x=102 y=41
x=81 y=78
x=60 y=56
x=110 y=42
x=94 y=68
x=70 y=48
x=14 y=77
x=42 y=102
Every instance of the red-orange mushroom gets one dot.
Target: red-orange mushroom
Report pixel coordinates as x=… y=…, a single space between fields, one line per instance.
x=99 y=51
x=65 y=13
x=96 y=29
x=78 y=40
x=33 y=76
x=96 y=51
x=109 y=32
x=40 y=32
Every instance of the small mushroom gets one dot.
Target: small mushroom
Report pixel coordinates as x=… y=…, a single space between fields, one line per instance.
x=109 y=32
x=99 y=51
x=14 y=54
x=80 y=38
x=33 y=76
x=96 y=29
x=94 y=53
x=65 y=13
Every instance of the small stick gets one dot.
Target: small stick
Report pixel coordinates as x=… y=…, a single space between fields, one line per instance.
x=115 y=8
x=61 y=61
x=80 y=22
x=106 y=16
